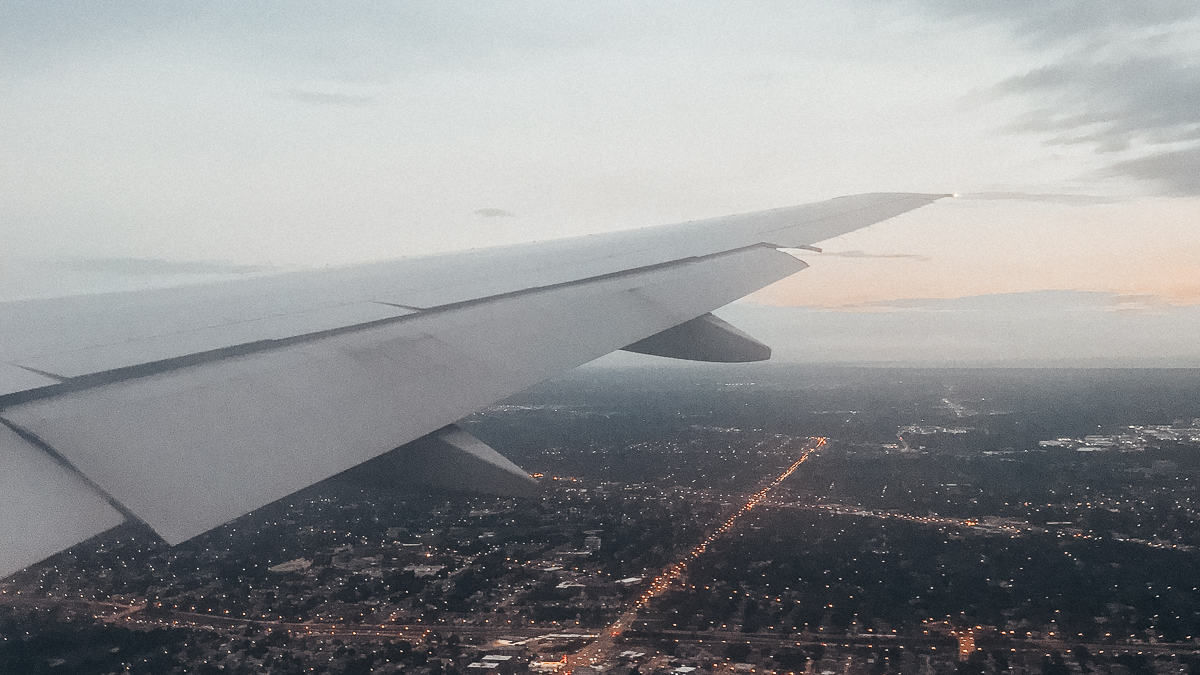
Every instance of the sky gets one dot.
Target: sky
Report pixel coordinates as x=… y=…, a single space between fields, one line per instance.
x=145 y=142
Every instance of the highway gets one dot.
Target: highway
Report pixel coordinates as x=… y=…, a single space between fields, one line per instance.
x=604 y=646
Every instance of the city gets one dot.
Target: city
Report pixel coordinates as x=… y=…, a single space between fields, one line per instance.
x=847 y=522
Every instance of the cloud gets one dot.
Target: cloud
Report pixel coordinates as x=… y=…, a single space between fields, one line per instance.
x=1112 y=104
x=1041 y=302
x=1122 y=78
x=326 y=98
x=1140 y=302
x=1178 y=171
x=864 y=254
x=1052 y=198
x=494 y=213
x=355 y=42
x=1148 y=105
x=1043 y=22
x=1042 y=328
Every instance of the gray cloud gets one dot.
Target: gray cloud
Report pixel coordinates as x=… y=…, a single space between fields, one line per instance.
x=494 y=213
x=1152 y=102
x=324 y=98
x=1121 y=82
x=1047 y=303
x=1113 y=104
x=1177 y=171
x=1052 y=198
x=356 y=42
x=1049 y=21
x=864 y=254
x=1041 y=328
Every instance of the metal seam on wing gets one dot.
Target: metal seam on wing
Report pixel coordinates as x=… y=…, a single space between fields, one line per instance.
x=35 y=441
x=44 y=508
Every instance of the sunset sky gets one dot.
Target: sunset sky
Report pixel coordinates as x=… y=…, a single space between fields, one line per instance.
x=1146 y=251
x=306 y=134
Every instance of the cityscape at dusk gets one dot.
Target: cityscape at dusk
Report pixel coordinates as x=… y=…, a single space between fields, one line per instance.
x=754 y=337
x=849 y=521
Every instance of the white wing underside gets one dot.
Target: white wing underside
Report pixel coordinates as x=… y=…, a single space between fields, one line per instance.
x=187 y=407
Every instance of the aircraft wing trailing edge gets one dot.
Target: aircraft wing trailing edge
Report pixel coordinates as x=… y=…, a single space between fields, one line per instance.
x=187 y=407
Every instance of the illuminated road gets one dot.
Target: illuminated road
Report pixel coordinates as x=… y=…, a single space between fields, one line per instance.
x=1006 y=526
x=602 y=647
x=841 y=509
x=133 y=612
x=947 y=640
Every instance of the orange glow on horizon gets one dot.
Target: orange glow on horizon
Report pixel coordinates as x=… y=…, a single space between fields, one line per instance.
x=1146 y=248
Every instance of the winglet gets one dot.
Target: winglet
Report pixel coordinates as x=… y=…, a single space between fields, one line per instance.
x=808 y=224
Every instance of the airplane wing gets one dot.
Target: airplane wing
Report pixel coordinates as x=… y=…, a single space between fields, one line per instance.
x=187 y=407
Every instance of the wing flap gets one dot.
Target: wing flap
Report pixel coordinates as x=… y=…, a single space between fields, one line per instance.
x=705 y=338
x=452 y=459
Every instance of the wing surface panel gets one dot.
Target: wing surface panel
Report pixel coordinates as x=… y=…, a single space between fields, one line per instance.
x=80 y=362
x=189 y=449
x=44 y=506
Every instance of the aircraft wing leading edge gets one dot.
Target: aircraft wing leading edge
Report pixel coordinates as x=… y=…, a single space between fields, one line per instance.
x=185 y=408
